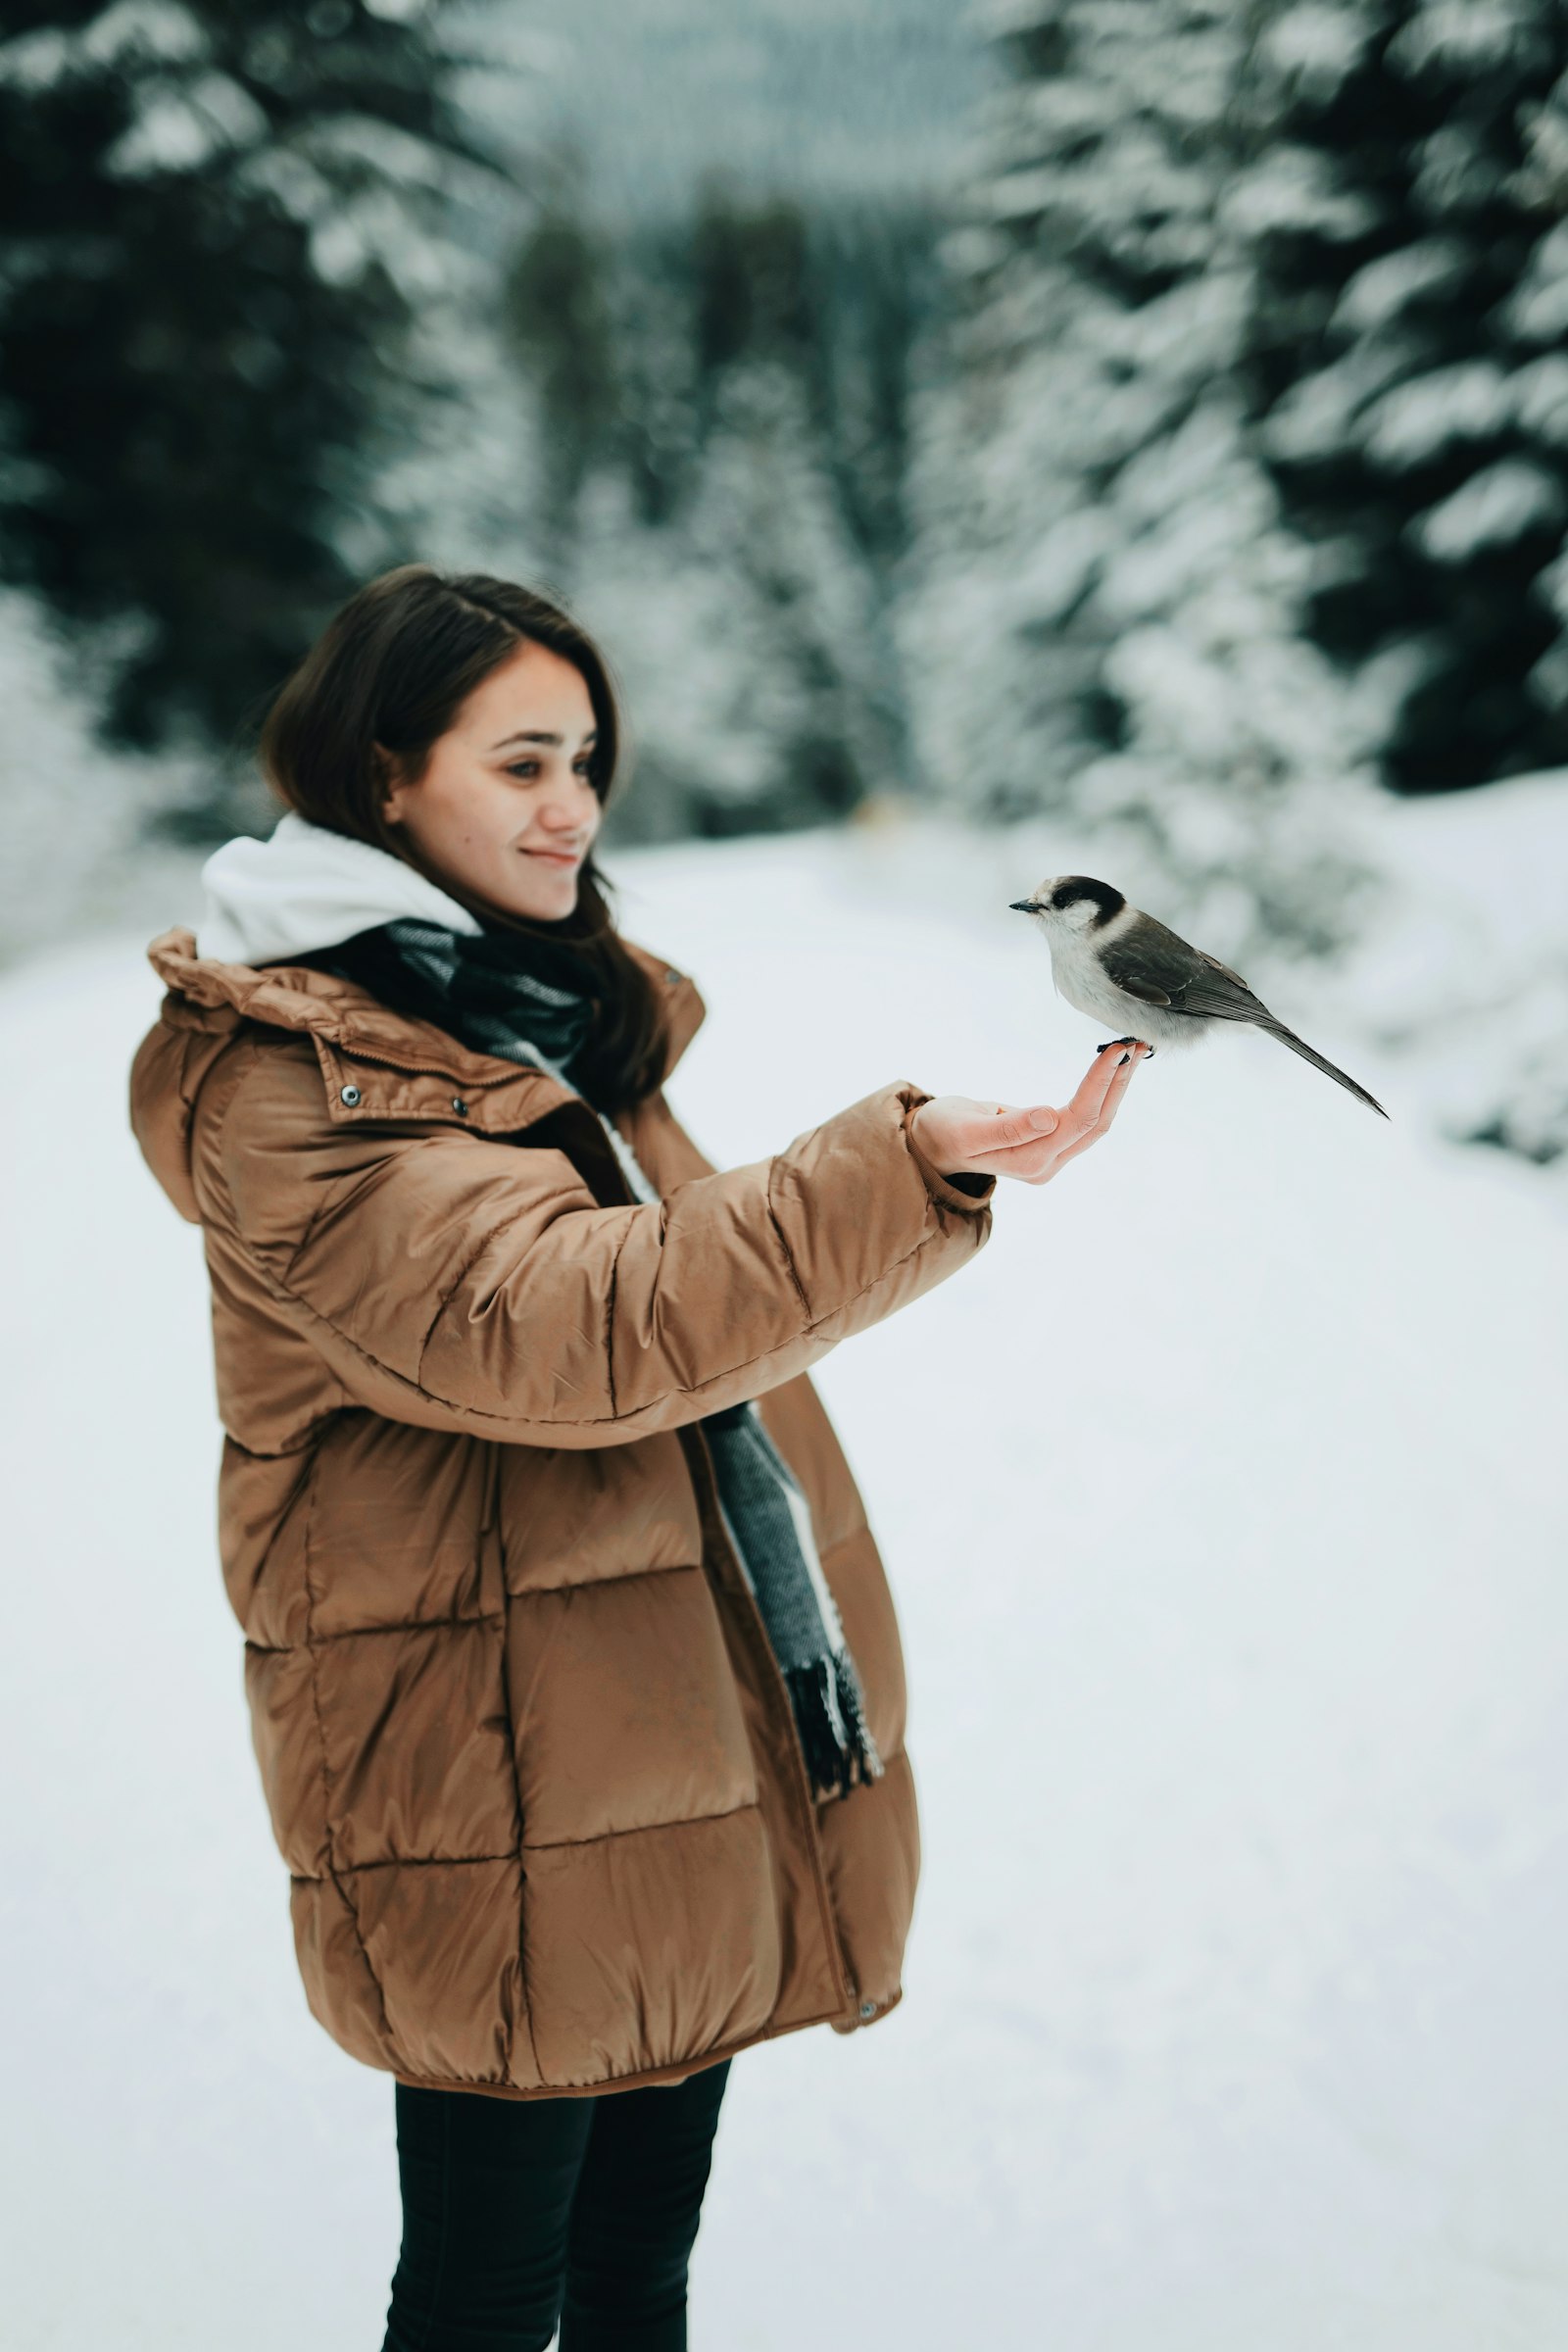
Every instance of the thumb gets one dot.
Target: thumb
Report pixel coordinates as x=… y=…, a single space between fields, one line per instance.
x=1022 y=1126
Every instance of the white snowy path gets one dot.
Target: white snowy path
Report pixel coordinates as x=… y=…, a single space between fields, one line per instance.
x=1223 y=1500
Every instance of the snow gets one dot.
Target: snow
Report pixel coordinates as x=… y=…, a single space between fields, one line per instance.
x=128 y=31
x=1469 y=35
x=1414 y=424
x=1501 y=503
x=152 y=29
x=1540 y=393
x=1108 y=604
x=1462 y=966
x=1538 y=310
x=1377 y=295
x=1319 y=412
x=1315 y=48
x=77 y=815
x=1222 y=1504
x=185 y=130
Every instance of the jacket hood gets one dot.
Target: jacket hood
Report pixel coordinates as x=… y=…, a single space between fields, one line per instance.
x=307 y=887
x=301 y=888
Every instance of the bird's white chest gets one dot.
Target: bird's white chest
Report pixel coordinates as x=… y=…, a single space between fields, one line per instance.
x=1081 y=978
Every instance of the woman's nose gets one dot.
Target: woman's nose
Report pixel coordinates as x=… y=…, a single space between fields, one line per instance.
x=573 y=808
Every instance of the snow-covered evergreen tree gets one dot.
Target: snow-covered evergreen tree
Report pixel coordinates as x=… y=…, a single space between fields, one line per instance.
x=85 y=843
x=721 y=503
x=219 y=230
x=1409 y=212
x=1104 y=610
x=743 y=627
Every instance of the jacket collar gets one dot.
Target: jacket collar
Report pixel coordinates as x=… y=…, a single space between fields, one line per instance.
x=391 y=1052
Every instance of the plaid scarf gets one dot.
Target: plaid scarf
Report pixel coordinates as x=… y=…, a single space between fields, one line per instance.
x=507 y=992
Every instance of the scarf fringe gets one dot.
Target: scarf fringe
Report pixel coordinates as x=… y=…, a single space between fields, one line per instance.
x=830 y=1717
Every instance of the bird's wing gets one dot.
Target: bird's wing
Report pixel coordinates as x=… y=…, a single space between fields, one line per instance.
x=1140 y=967
x=1155 y=965
x=1220 y=994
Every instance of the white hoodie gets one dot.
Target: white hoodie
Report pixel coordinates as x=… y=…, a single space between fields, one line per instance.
x=308 y=887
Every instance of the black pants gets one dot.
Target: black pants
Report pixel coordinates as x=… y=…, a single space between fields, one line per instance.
x=520 y=2213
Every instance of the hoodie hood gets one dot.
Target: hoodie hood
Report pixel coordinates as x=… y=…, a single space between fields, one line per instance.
x=306 y=887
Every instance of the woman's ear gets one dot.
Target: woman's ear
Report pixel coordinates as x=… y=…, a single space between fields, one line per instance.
x=391 y=789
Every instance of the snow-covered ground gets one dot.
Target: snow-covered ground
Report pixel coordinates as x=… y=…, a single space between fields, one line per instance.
x=1224 y=1503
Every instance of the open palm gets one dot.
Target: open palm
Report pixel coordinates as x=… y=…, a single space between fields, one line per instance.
x=960 y=1136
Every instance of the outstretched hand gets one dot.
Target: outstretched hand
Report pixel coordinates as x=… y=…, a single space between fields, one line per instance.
x=960 y=1136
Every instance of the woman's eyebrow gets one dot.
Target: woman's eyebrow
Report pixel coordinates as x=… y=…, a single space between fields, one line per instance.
x=542 y=735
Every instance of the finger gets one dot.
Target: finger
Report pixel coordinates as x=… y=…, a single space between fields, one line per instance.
x=1078 y=1130
x=1024 y=1126
x=1094 y=1106
x=1022 y=1161
x=1073 y=1144
x=1120 y=1080
x=1034 y=1160
x=1108 y=1073
x=1008 y=1140
x=1096 y=1084
x=1006 y=1127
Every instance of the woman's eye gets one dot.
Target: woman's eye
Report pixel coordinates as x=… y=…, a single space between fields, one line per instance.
x=531 y=767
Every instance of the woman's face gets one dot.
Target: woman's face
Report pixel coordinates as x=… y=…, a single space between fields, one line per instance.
x=505 y=808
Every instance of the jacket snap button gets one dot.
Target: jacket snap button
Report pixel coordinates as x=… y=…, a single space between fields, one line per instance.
x=350 y=1094
x=869 y=2008
x=459 y=1106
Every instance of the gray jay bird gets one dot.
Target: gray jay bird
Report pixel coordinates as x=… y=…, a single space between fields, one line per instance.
x=1120 y=965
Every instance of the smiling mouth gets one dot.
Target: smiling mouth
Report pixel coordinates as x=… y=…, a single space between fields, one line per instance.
x=555 y=856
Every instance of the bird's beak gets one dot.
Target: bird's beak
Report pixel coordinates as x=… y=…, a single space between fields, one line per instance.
x=1023 y=906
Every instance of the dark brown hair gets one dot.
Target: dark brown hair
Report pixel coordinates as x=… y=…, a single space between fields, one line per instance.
x=392 y=668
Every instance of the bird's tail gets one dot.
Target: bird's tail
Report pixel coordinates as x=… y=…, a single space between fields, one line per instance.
x=1287 y=1037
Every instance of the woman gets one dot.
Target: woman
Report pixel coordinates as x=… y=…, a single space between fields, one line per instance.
x=574 y=1680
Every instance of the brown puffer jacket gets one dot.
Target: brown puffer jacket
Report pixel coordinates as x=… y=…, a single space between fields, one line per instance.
x=526 y=1750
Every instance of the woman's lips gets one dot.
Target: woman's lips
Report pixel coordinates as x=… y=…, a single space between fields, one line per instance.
x=555 y=856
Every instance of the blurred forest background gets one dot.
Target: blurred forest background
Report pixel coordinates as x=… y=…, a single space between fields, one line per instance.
x=1152 y=413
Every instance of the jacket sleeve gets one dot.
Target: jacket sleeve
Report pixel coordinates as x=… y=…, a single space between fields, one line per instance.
x=472 y=1285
